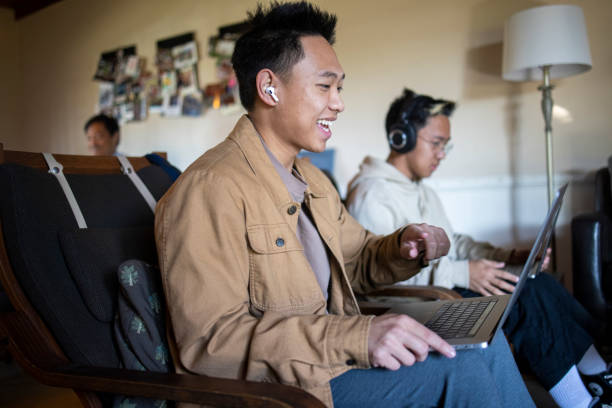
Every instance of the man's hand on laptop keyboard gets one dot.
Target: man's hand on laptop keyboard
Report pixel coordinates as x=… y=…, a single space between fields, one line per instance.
x=396 y=340
x=423 y=238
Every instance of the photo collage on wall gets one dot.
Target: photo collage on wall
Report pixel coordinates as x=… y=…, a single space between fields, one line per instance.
x=179 y=91
x=223 y=94
x=120 y=95
x=130 y=92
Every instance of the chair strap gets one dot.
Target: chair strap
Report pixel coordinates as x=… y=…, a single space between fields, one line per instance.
x=127 y=169
x=56 y=169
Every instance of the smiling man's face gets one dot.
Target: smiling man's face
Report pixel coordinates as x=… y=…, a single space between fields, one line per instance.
x=310 y=97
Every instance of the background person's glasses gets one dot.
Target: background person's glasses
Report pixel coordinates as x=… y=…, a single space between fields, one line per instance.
x=439 y=146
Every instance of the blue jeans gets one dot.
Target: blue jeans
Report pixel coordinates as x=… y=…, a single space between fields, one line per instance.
x=474 y=378
x=549 y=329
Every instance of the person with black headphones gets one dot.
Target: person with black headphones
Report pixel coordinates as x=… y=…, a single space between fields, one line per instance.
x=549 y=329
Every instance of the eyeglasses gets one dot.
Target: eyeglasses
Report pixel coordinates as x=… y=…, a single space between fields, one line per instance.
x=439 y=146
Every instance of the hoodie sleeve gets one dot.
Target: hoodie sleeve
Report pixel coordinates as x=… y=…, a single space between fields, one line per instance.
x=468 y=249
x=372 y=213
x=448 y=272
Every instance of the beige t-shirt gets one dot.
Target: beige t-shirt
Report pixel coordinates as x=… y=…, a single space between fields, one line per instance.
x=307 y=233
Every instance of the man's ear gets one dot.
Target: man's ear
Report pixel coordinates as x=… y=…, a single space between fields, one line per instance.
x=264 y=79
x=115 y=137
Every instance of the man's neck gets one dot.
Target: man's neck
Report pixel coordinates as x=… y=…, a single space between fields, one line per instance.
x=399 y=162
x=284 y=153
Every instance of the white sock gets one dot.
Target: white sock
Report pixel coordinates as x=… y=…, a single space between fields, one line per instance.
x=570 y=391
x=591 y=363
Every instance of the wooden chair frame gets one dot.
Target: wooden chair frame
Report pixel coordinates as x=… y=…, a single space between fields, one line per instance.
x=34 y=348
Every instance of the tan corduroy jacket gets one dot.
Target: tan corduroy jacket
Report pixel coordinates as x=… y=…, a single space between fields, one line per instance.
x=242 y=298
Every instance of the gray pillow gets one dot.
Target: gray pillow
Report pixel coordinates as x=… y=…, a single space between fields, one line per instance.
x=139 y=327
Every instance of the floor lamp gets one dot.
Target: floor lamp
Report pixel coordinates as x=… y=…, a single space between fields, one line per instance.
x=543 y=43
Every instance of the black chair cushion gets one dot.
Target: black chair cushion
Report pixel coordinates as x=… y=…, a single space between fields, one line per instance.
x=92 y=256
x=35 y=213
x=5 y=304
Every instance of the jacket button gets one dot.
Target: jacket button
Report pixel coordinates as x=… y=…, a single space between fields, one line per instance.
x=280 y=242
x=291 y=210
x=351 y=362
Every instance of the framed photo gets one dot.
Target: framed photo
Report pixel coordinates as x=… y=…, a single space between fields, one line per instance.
x=132 y=66
x=106 y=67
x=187 y=80
x=185 y=55
x=192 y=104
x=164 y=59
x=168 y=83
x=172 y=105
x=106 y=96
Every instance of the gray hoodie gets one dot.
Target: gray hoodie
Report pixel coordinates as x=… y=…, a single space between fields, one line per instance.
x=383 y=200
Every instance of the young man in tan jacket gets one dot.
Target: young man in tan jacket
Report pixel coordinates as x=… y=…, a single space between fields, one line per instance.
x=259 y=257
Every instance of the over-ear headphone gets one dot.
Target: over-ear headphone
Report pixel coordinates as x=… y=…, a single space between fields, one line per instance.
x=402 y=136
x=272 y=92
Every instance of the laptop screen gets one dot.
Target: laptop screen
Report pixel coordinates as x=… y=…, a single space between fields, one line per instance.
x=538 y=251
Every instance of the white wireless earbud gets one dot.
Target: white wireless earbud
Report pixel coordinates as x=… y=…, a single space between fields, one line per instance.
x=272 y=92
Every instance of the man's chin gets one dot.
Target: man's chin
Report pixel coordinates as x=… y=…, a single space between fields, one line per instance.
x=316 y=149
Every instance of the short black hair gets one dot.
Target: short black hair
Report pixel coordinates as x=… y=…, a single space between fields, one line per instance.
x=414 y=109
x=273 y=42
x=109 y=123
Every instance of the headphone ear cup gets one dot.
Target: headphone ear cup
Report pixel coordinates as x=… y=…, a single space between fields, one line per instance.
x=401 y=138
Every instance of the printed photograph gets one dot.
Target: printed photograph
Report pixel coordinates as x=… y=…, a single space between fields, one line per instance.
x=187 y=81
x=185 y=55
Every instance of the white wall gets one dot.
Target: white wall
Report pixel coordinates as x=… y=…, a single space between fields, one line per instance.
x=509 y=211
x=446 y=48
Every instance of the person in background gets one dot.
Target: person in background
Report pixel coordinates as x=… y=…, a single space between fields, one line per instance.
x=102 y=133
x=259 y=258
x=549 y=329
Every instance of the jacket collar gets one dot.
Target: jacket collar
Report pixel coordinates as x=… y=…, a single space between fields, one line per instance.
x=246 y=137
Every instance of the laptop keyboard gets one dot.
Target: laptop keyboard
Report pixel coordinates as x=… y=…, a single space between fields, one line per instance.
x=460 y=319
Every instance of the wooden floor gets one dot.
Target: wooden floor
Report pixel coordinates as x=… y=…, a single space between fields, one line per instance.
x=18 y=390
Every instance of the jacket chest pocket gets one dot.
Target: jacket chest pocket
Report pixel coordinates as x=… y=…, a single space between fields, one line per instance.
x=280 y=277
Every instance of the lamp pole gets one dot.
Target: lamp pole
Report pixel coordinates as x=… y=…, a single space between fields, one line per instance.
x=547 y=105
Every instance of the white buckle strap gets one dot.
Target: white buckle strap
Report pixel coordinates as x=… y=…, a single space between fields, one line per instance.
x=56 y=169
x=127 y=169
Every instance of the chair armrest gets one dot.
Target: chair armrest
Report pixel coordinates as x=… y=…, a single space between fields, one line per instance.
x=588 y=246
x=199 y=389
x=54 y=370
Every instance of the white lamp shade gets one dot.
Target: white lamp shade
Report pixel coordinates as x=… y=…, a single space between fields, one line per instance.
x=549 y=35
